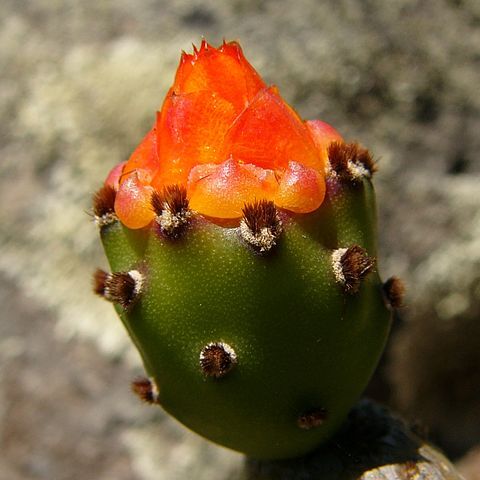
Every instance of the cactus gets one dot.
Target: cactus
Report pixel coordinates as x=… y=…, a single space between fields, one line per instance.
x=242 y=244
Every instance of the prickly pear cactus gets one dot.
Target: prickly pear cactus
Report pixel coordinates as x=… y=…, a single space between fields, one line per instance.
x=241 y=241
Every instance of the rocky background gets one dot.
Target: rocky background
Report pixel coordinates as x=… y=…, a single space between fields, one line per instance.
x=79 y=85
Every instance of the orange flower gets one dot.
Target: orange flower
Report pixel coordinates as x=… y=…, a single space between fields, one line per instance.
x=229 y=139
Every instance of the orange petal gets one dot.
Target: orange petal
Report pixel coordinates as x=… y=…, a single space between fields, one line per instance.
x=115 y=175
x=322 y=134
x=223 y=71
x=221 y=191
x=132 y=203
x=301 y=189
x=144 y=157
x=191 y=130
x=269 y=134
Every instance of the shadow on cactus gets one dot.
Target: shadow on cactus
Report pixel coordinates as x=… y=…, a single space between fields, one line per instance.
x=242 y=245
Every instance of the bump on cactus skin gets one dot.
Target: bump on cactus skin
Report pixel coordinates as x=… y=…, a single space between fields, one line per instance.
x=172 y=210
x=123 y=288
x=350 y=162
x=350 y=266
x=299 y=339
x=260 y=226
x=217 y=359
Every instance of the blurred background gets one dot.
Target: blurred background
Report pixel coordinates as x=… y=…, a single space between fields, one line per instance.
x=79 y=86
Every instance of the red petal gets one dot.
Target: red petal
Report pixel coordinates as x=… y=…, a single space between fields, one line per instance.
x=191 y=130
x=224 y=72
x=269 y=134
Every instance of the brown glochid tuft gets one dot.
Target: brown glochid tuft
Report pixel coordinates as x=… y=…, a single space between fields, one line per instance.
x=175 y=196
x=103 y=206
x=123 y=288
x=260 y=226
x=312 y=418
x=350 y=266
x=146 y=389
x=217 y=359
x=394 y=291
x=338 y=155
x=157 y=202
x=350 y=161
x=172 y=209
x=99 y=281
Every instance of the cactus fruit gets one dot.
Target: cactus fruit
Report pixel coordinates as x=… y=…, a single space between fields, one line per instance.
x=242 y=244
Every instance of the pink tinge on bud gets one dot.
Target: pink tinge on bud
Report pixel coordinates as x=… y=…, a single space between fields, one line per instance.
x=301 y=189
x=133 y=202
x=323 y=135
x=114 y=177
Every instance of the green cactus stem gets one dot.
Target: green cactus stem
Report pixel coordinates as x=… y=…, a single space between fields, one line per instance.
x=259 y=334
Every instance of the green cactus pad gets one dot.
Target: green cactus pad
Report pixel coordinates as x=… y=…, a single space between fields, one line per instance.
x=261 y=353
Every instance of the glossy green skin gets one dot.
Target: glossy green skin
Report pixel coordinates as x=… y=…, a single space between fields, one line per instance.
x=301 y=342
